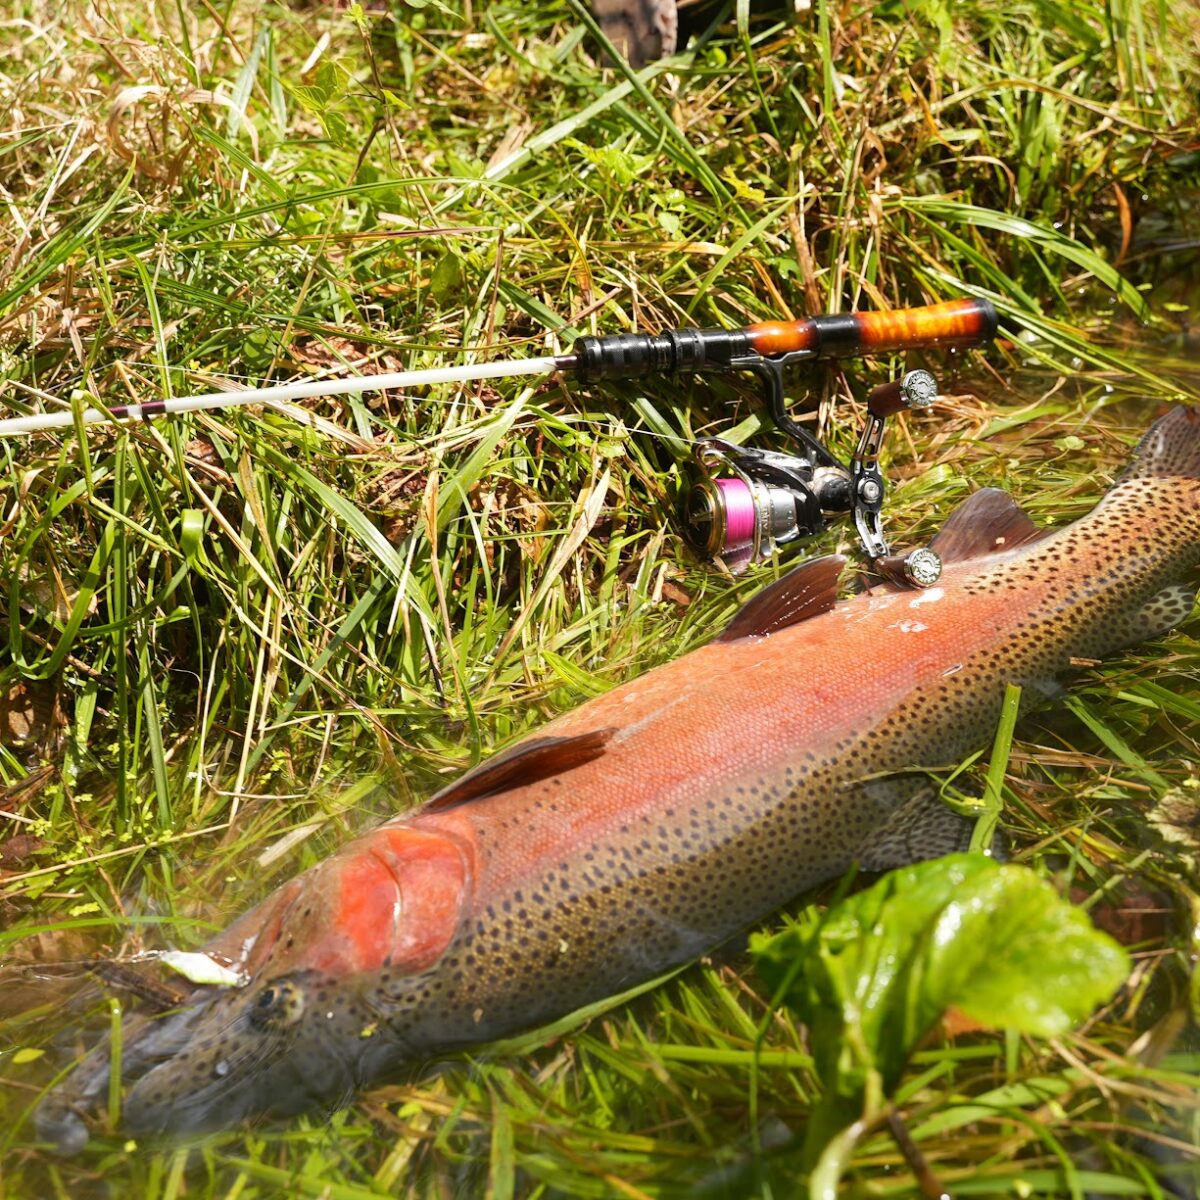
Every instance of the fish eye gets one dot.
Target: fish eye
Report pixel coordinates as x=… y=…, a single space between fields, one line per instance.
x=278 y=1005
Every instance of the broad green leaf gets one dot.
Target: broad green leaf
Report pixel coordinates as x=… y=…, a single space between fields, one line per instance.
x=874 y=976
x=1010 y=953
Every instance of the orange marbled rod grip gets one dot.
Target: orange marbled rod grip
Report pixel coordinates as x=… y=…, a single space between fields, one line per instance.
x=957 y=322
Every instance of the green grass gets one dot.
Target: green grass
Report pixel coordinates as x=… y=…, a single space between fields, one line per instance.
x=217 y=628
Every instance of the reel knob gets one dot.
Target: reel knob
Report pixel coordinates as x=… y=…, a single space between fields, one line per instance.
x=916 y=389
x=919 y=568
x=922 y=567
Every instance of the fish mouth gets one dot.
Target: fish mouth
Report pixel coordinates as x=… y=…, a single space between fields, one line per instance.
x=246 y=1052
x=66 y=1115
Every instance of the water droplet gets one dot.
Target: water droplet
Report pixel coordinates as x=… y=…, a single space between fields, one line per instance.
x=221 y=1068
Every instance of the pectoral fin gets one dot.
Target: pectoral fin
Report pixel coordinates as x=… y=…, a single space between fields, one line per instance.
x=525 y=763
x=808 y=591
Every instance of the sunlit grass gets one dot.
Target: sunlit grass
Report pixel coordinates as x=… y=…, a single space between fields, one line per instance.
x=217 y=628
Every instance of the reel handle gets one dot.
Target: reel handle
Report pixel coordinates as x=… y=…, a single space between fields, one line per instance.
x=922 y=568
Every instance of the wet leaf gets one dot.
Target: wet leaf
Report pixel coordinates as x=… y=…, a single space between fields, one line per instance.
x=875 y=975
x=1010 y=953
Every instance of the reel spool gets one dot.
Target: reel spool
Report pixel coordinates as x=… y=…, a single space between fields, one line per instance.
x=746 y=503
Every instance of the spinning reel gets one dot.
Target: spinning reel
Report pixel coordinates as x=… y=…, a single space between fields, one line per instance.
x=747 y=503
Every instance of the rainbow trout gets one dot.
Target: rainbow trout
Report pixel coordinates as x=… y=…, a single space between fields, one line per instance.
x=659 y=819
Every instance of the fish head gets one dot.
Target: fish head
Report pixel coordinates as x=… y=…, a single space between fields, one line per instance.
x=308 y=1023
x=230 y=1054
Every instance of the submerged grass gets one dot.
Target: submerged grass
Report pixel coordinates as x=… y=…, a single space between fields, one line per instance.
x=217 y=627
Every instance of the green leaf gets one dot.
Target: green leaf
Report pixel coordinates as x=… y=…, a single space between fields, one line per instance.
x=875 y=975
x=447 y=277
x=191 y=533
x=1010 y=953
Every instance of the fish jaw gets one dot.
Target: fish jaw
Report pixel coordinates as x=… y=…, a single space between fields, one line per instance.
x=291 y=1045
x=307 y=1027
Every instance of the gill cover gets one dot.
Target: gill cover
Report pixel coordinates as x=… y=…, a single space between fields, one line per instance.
x=393 y=897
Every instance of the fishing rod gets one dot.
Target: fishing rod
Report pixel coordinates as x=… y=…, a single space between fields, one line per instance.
x=768 y=499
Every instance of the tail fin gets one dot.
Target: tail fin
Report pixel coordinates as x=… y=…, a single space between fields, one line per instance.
x=1171 y=447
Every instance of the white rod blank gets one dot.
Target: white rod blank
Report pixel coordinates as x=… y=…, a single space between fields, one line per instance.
x=284 y=391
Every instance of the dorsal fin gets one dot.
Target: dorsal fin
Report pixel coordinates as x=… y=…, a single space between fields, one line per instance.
x=524 y=763
x=989 y=522
x=806 y=592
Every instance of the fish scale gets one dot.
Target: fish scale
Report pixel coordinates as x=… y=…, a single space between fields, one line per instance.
x=657 y=820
